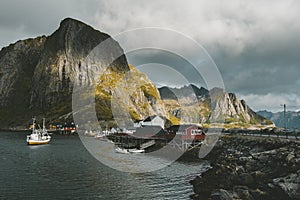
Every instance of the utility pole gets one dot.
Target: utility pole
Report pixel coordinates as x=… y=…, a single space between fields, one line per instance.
x=284 y=116
x=284 y=119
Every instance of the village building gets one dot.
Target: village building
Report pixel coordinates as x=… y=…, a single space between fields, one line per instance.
x=150 y=132
x=154 y=120
x=187 y=132
x=187 y=136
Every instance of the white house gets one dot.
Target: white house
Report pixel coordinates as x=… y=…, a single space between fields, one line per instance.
x=154 y=121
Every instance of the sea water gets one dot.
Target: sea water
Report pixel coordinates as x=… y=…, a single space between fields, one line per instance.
x=64 y=169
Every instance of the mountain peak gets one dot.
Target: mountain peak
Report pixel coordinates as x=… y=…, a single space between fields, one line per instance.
x=70 y=22
x=41 y=72
x=182 y=92
x=75 y=37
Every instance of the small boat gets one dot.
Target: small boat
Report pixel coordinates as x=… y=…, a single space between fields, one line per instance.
x=121 y=150
x=125 y=151
x=136 y=150
x=38 y=136
x=99 y=136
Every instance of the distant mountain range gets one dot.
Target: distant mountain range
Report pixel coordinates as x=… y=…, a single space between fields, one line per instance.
x=292 y=118
x=37 y=78
x=193 y=104
x=175 y=93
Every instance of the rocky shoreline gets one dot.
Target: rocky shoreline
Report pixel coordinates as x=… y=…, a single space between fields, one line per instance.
x=247 y=167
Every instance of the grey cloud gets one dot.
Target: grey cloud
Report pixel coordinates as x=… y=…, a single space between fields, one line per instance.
x=174 y=62
x=32 y=18
x=254 y=43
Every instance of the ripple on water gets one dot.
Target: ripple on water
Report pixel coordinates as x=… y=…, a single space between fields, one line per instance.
x=65 y=170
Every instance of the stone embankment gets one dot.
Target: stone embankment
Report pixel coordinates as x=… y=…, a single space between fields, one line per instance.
x=247 y=167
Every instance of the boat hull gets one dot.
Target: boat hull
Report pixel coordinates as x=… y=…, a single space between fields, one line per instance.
x=136 y=150
x=35 y=142
x=120 y=150
x=125 y=151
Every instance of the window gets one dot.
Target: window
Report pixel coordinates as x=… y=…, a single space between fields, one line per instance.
x=196 y=132
x=180 y=133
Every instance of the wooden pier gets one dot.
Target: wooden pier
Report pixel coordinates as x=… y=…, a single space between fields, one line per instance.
x=131 y=141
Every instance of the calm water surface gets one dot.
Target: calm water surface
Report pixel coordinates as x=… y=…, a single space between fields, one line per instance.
x=64 y=169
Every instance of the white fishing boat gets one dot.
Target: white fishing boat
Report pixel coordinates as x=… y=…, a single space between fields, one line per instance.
x=38 y=136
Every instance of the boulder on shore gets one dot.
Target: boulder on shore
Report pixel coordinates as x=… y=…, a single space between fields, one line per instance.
x=245 y=167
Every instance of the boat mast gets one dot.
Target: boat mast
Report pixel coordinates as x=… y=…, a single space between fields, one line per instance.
x=44 y=128
x=33 y=124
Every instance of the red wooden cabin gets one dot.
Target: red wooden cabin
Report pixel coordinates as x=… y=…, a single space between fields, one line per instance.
x=187 y=132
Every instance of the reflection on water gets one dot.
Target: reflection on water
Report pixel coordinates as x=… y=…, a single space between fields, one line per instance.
x=36 y=146
x=64 y=169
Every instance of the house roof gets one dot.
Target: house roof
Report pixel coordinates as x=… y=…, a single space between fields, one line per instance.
x=150 y=118
x=131 y=128
x=154 y=130
x=181 y=127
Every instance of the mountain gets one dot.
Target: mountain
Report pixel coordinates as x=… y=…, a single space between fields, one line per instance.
x=37 y=75
x=193 y=104
x=63 y=58
x=175 y=93
x=292 y=118
x=131 y=95
x=78 y=65
x=17 y=66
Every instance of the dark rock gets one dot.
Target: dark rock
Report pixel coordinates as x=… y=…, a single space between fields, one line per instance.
x=247 y=179
x=269 y=172
x=289 y=184
x=258 y=194
x=240 y=169
x=243 y=192
x=290 y=157
x=221 y=194
x=257 y=175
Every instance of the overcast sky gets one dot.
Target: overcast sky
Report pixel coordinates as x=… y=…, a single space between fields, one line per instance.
x=255 y=44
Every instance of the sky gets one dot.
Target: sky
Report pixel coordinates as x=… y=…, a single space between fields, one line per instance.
x=254 y=44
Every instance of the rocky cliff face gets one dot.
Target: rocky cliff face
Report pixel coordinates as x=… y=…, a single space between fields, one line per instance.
x=17 y=65
x=227 y=107
x=37 y=75
x=130 y=93
x=63 y=62
x=188 y=104
x=193 y=104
